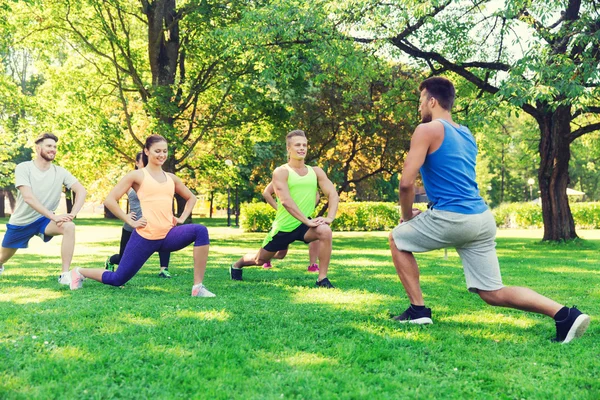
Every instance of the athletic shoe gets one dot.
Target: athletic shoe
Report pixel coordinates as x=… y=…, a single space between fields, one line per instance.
x=201 y=291
x=572 y=327
x=413 y=316
x=267 y=265
x=1 y=269
x=76 y=279
x=313 y=268
x=108 y=265
x=164 y=274
x=236 y=274
x=65 y=278
x=325 y=283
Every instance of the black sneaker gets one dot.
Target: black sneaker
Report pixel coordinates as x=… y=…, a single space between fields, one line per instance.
x=572 y=327
x=325 y=283
x=413 y=316
x=235 y=273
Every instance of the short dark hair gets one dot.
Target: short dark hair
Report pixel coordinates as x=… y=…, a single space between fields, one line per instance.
x=294 y=133
x=44 y=136
x=441 y=89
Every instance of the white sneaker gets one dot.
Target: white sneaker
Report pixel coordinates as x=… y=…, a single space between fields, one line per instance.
x=200 y=290
x=1 y=269
x=65 y=278
x=76 y=279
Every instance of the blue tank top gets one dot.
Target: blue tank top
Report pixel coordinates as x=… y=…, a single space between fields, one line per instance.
x=449 y=173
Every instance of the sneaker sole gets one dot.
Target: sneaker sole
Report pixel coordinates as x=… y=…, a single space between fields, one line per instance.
x=418 y=321
x=76 y=281
x=578 y=329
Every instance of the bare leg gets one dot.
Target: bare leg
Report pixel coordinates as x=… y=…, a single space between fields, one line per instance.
x=521 y=298
x=6 y=254
x=92 y=273
x=67 y=230
x=323 y=234
x=200 y=258
x=254 y=258
x=313 y=252
x=280 y=255
x=408 y=272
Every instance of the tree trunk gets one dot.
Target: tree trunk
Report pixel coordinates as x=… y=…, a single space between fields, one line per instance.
x=2 y=208
x=553 y=174
x=69 y=200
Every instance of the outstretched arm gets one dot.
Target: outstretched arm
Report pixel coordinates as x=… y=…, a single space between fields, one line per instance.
x=268 y=195
x=328 y=190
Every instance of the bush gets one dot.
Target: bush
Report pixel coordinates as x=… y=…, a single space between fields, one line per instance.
x=256 y=217
x=366 y=216
x=529 y=215
x=354 y=216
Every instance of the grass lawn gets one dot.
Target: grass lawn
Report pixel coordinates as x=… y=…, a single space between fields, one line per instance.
x=275 y=336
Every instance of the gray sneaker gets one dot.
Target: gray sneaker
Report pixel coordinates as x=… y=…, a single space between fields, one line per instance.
x=65 y=278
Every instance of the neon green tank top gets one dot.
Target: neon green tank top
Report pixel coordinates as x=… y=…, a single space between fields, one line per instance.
x=303 y=190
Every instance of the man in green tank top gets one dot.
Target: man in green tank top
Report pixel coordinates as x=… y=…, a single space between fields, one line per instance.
x=296 y=188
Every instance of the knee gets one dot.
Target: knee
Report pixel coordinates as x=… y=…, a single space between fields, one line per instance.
x=493 y=298
x=201 y=235
x=324 y=232
x=68 y=228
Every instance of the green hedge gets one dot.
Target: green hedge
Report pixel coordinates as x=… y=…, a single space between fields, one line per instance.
x=374 y=216
x=529 y=215
x=356 y=216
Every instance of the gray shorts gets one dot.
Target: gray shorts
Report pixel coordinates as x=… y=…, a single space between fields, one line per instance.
x=473 y=236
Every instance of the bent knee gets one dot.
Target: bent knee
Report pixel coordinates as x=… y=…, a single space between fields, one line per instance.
x=201 y=236
x=493 y=298
x=68 y=227
x=324 y=232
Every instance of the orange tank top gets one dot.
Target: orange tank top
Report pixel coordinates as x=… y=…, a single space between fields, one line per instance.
x=156 y=200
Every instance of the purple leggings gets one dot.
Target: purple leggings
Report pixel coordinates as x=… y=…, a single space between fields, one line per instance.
x=138 y=250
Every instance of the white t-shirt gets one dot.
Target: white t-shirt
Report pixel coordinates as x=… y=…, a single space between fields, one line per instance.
x=46 y=187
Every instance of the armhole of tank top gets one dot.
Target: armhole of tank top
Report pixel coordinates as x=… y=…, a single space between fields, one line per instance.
x=443 y=139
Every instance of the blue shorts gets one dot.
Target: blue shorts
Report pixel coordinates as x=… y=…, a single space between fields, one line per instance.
x=17 y=237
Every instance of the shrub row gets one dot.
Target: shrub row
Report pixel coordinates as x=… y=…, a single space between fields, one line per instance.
x=355 y=216
x=529 y=215
x=375 y=216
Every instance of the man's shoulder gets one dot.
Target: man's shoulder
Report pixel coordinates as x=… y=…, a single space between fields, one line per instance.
x=24 y=165
x=434 y=126
x=282 y=169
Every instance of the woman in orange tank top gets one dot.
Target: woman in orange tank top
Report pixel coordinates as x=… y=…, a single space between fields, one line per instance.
x=157 y=230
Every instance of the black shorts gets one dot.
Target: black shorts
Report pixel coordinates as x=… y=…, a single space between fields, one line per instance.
x=282 y=240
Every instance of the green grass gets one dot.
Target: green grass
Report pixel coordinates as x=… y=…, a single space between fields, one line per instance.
x=274 y=336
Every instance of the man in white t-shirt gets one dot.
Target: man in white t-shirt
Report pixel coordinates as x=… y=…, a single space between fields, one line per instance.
x=40 y=184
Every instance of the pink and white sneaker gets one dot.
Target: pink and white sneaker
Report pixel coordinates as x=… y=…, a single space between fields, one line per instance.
x=76 y=279
x=313 y=268
x=200 y=290
x=267 y=265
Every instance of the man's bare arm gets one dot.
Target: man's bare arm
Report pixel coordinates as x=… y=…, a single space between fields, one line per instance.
x=419 y=146
x=282 y=191
x=268 y=195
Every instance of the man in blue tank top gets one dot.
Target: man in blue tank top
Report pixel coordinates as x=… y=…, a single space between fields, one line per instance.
x=445 y=154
